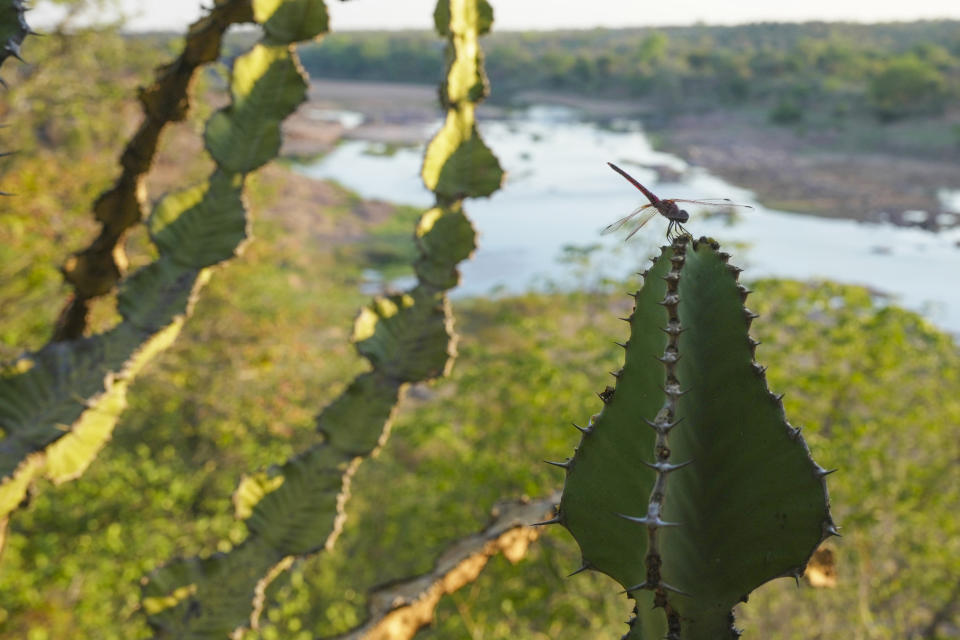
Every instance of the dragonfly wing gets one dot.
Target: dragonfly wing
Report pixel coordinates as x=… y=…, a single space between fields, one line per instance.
x=713 y=202
x=642 y=220
x=646 y=212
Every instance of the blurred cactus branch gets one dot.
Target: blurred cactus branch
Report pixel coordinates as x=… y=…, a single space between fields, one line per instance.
x=399 y=609
x=298 y=508
x=96 y=270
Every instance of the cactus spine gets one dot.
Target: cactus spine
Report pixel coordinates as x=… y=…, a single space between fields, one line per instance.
x=298 y=508
x=690 y=488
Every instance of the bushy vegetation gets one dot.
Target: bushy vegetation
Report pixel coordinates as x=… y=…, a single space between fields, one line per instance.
x=890 y=70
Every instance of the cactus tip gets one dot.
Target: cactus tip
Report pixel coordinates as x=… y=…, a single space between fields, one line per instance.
x=562 y=465
x=583 y=567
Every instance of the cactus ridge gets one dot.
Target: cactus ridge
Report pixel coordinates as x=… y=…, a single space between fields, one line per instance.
x=657 y=488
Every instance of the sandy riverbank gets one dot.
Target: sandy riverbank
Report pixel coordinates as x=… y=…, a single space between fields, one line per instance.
x=785 y=171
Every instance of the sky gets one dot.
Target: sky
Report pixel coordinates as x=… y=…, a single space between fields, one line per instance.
x=563 y=14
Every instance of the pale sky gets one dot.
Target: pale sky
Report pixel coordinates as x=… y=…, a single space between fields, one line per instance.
x=555 y=14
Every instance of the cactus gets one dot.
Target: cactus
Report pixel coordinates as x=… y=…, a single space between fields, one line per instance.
x=399 y=609
x=13 y=29
x=58 y=406
x=298 y=508
x=690 y=488
x=96 y=270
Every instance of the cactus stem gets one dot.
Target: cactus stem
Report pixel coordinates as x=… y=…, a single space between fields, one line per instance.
x=665 y=467
x=562 y=465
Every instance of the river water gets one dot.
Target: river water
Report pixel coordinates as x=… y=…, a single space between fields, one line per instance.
x=559 y=193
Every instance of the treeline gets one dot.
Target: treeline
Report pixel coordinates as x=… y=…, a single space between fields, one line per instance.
x=891 y=71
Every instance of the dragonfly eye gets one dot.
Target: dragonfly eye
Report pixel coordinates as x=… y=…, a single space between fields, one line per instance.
x=684 y=216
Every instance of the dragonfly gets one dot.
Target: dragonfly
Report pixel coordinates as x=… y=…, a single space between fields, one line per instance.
x=667 y=208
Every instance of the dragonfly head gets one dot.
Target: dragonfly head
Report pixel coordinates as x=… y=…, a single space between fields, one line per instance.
x=682 y=215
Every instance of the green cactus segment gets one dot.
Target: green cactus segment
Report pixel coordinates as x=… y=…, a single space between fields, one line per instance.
x=457 y=163
x=267 y=86
x=286 y=21
x=13 y=28
x=690 y=488
x=81 y=385
x=225 y=592
x=407 y=337
x=445 y=237
x=203 y=225
x=58 y=407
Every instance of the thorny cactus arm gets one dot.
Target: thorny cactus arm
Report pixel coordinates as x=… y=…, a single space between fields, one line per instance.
x=298 y=508
x=95 y=271
x=58 y=406
x=690 y=488
x=13 y=29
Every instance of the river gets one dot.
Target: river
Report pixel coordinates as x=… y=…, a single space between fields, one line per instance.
x=559 y=193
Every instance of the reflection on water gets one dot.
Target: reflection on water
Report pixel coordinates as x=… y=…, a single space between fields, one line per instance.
x=560 y=193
